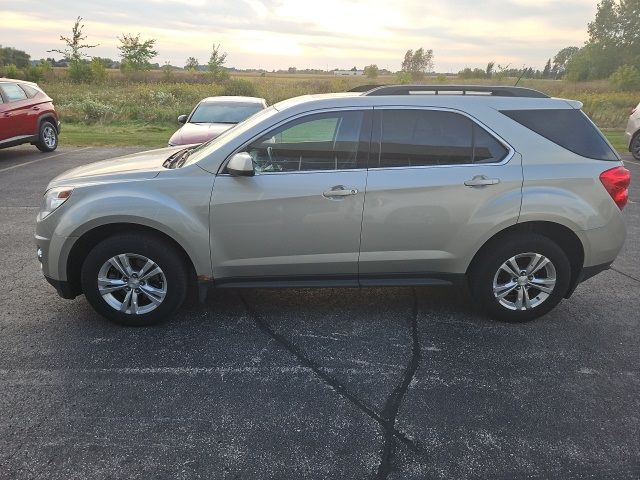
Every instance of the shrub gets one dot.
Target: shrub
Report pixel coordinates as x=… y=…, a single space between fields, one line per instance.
x=11 y=71
x=80 y=72
x=240 y=87
x=626 y=78
x=95 y=111
x=98 y=71
x=33 y=73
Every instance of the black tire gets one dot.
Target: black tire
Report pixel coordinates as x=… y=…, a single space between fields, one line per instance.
x=47 y=137
x=635 y=146
x=489 y=261
x=161 y=252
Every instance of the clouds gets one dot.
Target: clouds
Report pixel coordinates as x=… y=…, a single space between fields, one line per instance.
x=337 y=33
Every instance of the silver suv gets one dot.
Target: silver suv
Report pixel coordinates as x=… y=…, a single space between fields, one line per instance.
x=503 y=189
x=632 y=133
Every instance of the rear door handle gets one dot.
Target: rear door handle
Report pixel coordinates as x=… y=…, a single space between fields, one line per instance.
x=340 y=191
x=36 y=108
x=481 y=181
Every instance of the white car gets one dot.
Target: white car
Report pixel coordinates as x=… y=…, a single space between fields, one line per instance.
x=632 y=134
x=214 y=115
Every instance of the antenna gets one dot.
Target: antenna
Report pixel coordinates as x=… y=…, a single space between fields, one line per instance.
x=521 y=75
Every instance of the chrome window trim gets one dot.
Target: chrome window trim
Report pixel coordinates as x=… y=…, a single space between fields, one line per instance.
x=223 y=165
x=510 y=150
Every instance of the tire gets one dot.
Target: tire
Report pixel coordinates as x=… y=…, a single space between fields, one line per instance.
x=635 y=146
x=158 y=295
x=47 y=137
x=488 y=275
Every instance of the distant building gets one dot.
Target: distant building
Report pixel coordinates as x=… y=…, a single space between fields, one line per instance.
x=348 y=73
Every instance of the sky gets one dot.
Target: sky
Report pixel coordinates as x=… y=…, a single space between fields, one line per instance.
x=277 y=34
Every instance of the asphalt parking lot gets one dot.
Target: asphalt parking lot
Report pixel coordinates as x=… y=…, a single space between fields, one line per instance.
x=399 y=383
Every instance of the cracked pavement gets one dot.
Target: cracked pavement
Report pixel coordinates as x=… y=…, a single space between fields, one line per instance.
x=397 y=383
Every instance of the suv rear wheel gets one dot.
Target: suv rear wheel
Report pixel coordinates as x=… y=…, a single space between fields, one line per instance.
x=520 y=277
x=47 y=137
x=134 y=280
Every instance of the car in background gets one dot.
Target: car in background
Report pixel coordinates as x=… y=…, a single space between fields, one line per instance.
x=632 y=133
x=27 y=115
x=214 y=115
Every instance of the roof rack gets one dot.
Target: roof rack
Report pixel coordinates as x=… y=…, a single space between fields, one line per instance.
x=496 y=91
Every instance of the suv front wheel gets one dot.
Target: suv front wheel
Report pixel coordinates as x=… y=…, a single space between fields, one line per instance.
x=520 y=277
x=134 y=279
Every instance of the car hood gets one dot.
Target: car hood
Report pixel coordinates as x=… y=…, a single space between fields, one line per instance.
x=137 y=166
x=198 y=132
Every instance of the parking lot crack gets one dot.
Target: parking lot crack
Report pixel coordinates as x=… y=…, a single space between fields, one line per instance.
x=335 y=384
x=394 y=400
x=625 y=274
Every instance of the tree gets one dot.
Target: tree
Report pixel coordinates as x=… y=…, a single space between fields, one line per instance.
x=136 y=54
x=292 y=70
x=191 y=64
x=371 y=71
x=13 y=56
x=418 y=63
x=74 y=50
x=489 y=70
x=562 y=58
x=546 y=73
x=216 y=62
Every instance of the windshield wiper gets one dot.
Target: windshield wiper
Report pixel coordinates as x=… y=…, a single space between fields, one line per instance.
x=177 y=159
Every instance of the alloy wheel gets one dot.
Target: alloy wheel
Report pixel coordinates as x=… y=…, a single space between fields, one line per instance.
x=49 y=136
x=132 y=284
x=524 y=281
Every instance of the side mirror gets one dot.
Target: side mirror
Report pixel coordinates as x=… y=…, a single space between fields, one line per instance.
x=182 y=118
x=241 y=165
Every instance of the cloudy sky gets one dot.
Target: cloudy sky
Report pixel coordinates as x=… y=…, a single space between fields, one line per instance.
x=275 y=34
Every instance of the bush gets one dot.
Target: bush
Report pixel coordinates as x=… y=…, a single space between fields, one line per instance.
x=11 y=71
x=98 y=71
x=240 y=87
x=80 y=72
x=33 y=73
x=95 y=111
x=626 y=78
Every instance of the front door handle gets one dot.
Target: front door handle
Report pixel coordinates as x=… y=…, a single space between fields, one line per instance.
x=481 y=181
x=340 y=191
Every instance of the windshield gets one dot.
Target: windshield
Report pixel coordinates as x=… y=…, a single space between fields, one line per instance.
x=224 y=112
x=205 y=149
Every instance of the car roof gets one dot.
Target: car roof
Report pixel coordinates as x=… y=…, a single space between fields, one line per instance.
x=233 y=98
x=453 y=101
x=15 y=80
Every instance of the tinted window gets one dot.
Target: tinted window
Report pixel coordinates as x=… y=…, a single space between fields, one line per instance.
x=326 y=141
x=569 y=128
x=486 y=149
x=217 y=112
x=13 y=92
x=411 y=138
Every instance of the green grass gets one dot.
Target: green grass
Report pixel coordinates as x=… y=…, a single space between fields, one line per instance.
x=98 y=135
x=616 y=137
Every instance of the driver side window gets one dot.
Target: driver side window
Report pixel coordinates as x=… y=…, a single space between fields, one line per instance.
x=323 y=141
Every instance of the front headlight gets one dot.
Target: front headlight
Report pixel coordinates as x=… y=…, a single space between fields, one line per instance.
x=53 y=198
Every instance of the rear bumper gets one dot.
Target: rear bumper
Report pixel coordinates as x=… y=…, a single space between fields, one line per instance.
x=63 y=288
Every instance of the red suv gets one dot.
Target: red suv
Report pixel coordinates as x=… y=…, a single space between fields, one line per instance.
x=27 y=115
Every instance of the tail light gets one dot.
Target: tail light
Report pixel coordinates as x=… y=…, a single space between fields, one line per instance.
x=616 y=181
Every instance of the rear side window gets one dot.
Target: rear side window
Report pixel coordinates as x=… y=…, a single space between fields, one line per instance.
x=13 y=92
x=568 y=128
x=31 y=92
x=416 y=138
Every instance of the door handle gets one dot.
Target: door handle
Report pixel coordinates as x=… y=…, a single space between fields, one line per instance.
x=481 y=181
x=36 y=108
x=340 y=191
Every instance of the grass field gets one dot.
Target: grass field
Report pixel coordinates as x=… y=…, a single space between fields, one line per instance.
x=143 y=110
